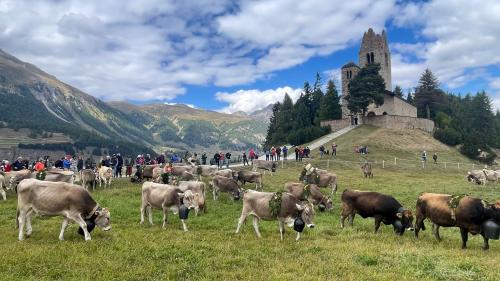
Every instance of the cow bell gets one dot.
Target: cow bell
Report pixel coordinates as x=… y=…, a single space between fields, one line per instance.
x=321 y=207
x=183 y=212
x=491 y=230
x=90 y=227
x=298 y=224
x=398 y=226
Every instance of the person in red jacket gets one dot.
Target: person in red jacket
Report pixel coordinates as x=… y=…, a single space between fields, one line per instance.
x=7 y=167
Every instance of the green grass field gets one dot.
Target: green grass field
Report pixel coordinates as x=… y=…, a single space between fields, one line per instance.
x=211 y=250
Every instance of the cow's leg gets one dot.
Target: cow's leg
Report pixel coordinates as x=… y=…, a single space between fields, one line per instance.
x=282 y=229
x=184 y=226
x=298 y=236
x=21 y=218
x=109 y=183
x=465 y=236
x=63 y=228
x=435 y=231
x=143 y=210
x=4 y=195
x=346 y=212
x=149 y=209
x=486 y=244
x=165 y=217
x=78 y=219
x=242 y=219
x=256 y=226
x=378 y=220
x=215 y=190
x=29 y=229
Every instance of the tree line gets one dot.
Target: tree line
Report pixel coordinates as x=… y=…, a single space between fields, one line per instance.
x=299 y=122
x=468 y=121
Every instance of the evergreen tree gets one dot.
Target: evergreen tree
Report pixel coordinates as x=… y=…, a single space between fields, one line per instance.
x=398 y=92
x=366 y=88
x=316 y=97
x=330 y=108
x=409 y=98
x=428 y=97
x=271 y=137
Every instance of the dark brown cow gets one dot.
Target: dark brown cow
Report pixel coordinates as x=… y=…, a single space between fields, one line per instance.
x=251 y=176
x=315 y=195
x=383 y=208
x=469 y=215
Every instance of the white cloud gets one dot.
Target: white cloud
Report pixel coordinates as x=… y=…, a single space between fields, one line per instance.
x=252 y=100
x=151 y=49
x=461 y=39
x=186 y=104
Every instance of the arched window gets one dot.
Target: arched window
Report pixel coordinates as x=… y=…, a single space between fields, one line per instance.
x=368 y=58
x=371 y=114
x=372 y=57
x=386 y=60
x=384 y=113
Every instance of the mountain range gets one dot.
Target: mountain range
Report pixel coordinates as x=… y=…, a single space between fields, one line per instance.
x=45 y=108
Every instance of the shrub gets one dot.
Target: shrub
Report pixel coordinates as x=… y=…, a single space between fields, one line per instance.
x=448 y=136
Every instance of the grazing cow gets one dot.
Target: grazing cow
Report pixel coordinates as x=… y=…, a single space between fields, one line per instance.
x=250 y=176
x=476 y=176
x=224 y=184
x=228 y=173
x=151 y=172
x=313 y=194
x=179 y=170
x=367 y=170
x=383 y=208
x=198 y=189
x=321 y=178
x=156 y=177
x=204 y=170
x=165 y=197
x=491 y=175
x=264 y=165
x=466 y=213
x=53 y=175
x=59 y=199
x=257 y=203
x=88 y=176
x=105 y=175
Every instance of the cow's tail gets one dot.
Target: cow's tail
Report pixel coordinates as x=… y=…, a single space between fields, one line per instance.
x=17 y=217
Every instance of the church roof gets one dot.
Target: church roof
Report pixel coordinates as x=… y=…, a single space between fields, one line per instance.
x=350 y=64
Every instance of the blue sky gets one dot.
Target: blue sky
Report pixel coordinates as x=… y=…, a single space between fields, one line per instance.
x=244 y=55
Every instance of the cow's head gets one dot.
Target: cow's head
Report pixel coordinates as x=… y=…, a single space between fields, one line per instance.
x=188 y=199
x=492 y=211
x=325 y=204
x=103 y=219
x=306 y=212
x=405 y=217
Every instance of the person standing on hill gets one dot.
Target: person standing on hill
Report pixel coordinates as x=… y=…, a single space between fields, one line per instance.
x=119 y=165
x=424 y=156
x=228 y=159
x=204 y=158
x=221 y=160
x=334 y=150
x=245 y=160
x=217 y=159
x=435 y=158
x=321 y=151
x=251 y=154
x=297 y=151
x=79 y=164
x=285 y=152
x=278 y=153
x=267 y=155
x=67 y=163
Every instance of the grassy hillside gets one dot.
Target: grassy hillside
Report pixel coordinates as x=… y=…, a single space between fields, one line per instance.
x=211 y=250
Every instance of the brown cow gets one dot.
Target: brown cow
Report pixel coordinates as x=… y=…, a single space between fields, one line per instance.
x=59 y=199
x=198 y=189
x=251 y=176
x=367 y=170
x=257 y=204
x=224 y=184
x=321 y=178
x=469 y=215
x=88 y=176
x=297 y=189
x=383 y=208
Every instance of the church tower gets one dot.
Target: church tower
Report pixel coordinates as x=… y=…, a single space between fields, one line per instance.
x=348 y=72
x=374 y=49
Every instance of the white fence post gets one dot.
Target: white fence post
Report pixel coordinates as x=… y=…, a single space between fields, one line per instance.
x=445 y=165
x=472 y=166
x=282 y=163
x=395 y=161
x=423 y=164
x=458 y=165
x=328 y=163
x=383 y=164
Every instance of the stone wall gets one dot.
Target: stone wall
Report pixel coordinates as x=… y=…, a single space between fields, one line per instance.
x=336 y=125
x=393 y=106
x=31 y=154
x=400 y=122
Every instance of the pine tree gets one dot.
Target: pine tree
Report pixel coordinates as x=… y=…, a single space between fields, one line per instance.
x=316 y=97
x=409 y=98
x=271 y=137
x=428 y=97
x=398 y=92
x=330 y=108
x=366 y=88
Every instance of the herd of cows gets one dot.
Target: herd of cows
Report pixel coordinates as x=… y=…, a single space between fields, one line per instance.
x=56 y=195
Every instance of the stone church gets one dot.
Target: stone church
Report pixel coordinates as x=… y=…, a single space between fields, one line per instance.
x=374 y=49
x=395 y=113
